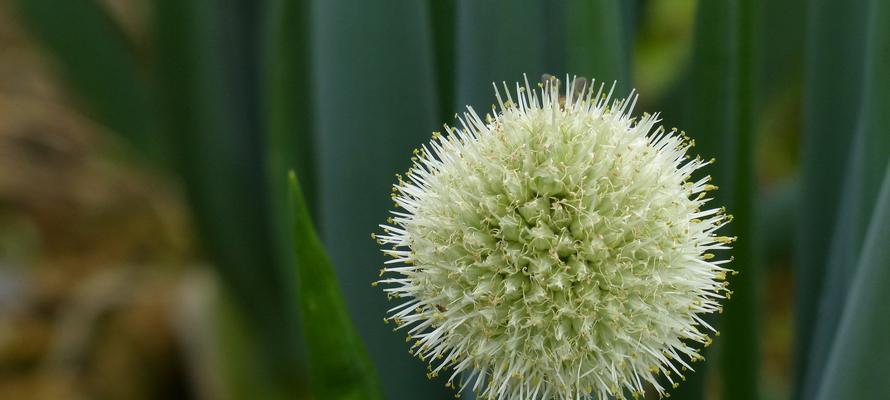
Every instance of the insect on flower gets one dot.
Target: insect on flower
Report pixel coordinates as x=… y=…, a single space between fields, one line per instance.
x=557 y=248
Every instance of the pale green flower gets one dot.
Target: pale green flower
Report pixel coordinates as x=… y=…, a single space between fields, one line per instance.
x=555 y=250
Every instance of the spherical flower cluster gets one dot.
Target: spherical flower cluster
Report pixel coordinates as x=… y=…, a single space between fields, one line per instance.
x=558 y=249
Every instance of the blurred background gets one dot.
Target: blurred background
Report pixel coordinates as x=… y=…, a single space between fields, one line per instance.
x=146 y=241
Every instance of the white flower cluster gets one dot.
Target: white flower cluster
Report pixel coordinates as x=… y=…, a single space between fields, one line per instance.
x=556 y=250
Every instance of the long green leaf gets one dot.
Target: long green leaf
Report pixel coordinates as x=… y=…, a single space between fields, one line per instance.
x=375 y=102
x=210 y=82
x=287 y=103
x=776 y=213
x=859 y=360
x=443 y=23
x=740 y=351
x=631 y=14
x=712 y=62
x=597 y=42
x=500 y=41
x=241 y=370
x=870 y=153
x=783 y=28
x=338 y=363
x=720 y=118
x=99 y=64
x=834 y=81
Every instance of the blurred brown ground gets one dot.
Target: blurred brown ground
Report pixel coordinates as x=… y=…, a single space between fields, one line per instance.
x=91 y=247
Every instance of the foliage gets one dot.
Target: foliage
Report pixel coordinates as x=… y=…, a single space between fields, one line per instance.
x=228 y=95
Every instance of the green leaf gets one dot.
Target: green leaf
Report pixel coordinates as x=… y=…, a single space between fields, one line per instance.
x=209 y=77
x=374 y=81
x=631 y=15
x=99 y=64
x=776 y=214
x=287 y=105
x=443 y=22
x=237 y=360
x=720 y=119
x=598 y=45
x=859 y=360
x=503 y=39
x=834 y=81
x=712 y=102
x=740 y=351
x=783 y=28
x=338 y=363
x=868 y=159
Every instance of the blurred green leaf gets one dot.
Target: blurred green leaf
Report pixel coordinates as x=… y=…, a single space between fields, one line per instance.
x=783 y=28
x=210 y=81
x=859 y=360
x=598 y=46
x=776 y=213
x=869 y=155
x=240 y=365
x=443 y=22
x=375 y=80
x=501 y=40
x=338 y=364
x=712 y=102
x=99 y=63
x=740 y=352
x=286 y=100
x=720 y=119
x=834 y=81
x=288 y=105
x=631 y=15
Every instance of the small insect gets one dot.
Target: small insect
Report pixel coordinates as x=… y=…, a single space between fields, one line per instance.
x=441 y=308
x=579 y=85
